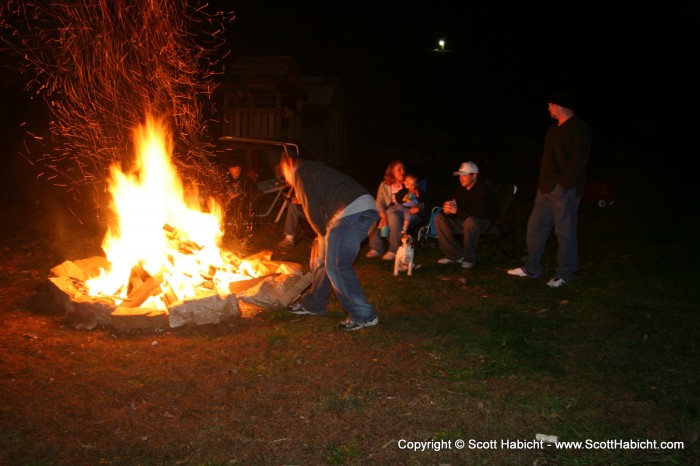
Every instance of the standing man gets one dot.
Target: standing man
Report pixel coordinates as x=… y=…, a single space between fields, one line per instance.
x=342 y=213
x=466 y=214
x=567 y=148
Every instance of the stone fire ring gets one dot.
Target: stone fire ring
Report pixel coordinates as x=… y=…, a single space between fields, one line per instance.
x=278 y=285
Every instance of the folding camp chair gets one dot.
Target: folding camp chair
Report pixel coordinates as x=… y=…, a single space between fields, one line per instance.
x=503 y=221
x=274 y=190
x=427 y=231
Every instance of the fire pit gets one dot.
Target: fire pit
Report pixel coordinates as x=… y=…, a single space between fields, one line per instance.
x=279 y=284
x=163 y=265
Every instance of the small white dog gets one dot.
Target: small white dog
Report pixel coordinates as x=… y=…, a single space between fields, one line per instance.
x=403 y=262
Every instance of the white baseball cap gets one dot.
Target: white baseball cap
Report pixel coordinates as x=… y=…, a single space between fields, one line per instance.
x=466 y=168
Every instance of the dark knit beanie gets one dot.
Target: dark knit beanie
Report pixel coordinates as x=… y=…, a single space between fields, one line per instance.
x=562 y=97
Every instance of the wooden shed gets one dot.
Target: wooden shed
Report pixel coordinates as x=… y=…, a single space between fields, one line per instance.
x=262 y=99
x=323 y=127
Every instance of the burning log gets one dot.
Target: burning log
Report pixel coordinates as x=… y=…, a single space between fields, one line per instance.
x=180 y=240
x=81 y=269
x=137 y=277
x=169 y=296
x=147 y=289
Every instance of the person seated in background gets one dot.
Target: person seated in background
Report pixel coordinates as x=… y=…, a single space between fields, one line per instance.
x=291 y=223
x=240 y=194
x=411 y=199
x=465 y=214
x=391 y=212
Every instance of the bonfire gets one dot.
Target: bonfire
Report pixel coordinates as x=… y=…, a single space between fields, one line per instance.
x=164 y=264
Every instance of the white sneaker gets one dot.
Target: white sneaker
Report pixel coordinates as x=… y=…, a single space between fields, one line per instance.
x=467 y=265
x=298 y=309
x=556 y=282
x=349 y=324
x=372 y=254
x=445 y=260
x=389 y=256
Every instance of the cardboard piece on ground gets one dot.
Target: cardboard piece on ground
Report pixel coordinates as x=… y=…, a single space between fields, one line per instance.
x=295 y=290
x=242 y=285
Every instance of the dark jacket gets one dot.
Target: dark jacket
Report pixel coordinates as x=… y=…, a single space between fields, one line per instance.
x=242 y=187
x=475 y=202
x=323 y=192
x=567 y=149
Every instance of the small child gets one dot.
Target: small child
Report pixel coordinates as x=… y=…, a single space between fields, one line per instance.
x=408 y=197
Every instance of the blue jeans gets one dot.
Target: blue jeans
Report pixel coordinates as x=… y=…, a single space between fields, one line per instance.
x=394 y=218
x=333 y=267
x=291 y=221
x=558 y=209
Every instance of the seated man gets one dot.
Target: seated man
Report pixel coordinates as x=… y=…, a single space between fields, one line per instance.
x=467 y=214
x=240 y=198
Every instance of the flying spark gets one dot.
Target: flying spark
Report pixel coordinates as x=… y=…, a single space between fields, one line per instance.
x=102 y=66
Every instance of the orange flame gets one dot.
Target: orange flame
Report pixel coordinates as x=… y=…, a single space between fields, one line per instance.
x=161 y=229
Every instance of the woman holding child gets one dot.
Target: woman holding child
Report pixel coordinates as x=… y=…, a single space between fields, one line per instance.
x=400 y=207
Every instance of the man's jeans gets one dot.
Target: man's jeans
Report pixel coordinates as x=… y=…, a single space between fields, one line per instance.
x=291 y=221
x=558 y=209
x=447 y=227
x=334 y=267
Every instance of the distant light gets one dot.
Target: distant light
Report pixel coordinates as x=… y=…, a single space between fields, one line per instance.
x=441 y=43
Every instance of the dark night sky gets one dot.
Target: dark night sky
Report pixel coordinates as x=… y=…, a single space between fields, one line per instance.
x=630 y=66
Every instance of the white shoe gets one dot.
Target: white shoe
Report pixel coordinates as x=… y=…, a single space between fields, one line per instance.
x=286 y=243
x=372 y=254
x=389 y=256
x=349 y=324
x=556 y=282
x=467 y=265
x=445 y=260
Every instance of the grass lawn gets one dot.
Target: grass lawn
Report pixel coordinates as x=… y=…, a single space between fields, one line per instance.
x=459 y=355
